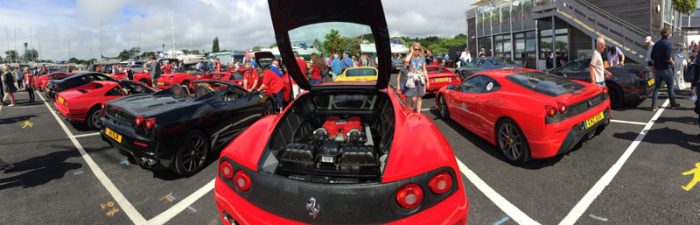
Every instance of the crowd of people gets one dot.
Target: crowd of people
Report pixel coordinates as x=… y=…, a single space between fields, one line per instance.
x=15 y=79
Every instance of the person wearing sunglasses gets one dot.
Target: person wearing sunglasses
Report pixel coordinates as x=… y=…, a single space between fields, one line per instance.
x=416 y=82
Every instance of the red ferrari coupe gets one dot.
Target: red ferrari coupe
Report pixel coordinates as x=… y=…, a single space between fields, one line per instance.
x=143 y=77
x=182 y=78
x=340 y=153
x=40 y=82
x=83 y=104
x=439 y=76
x=527 y=114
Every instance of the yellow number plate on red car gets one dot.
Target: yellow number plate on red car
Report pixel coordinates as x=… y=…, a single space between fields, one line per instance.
x=61 y=100
x=593 y=120
x=444 y=79
x=650 y=82
x=114 y=135
x=161 y=83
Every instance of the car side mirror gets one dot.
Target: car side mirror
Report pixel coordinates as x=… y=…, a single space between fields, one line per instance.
x=451 y=87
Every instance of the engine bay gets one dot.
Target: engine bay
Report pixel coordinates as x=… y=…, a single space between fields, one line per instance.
x=345 y=139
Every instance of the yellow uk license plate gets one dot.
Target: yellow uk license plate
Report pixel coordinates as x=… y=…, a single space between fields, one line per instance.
x=61 y=100
x=593 y=120
x=650 y=82
x=444 y=79
x=114 y=135
x=161 y=83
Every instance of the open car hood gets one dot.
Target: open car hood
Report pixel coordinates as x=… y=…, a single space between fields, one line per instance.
x=288 y=15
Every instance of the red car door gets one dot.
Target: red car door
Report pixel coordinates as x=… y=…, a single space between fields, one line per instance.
x=464 y=101
x=485 y=110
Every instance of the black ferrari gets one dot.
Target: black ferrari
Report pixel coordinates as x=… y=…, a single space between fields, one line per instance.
x=176 y=130
x=481 y=64
x=629 y=84
x=80 y=79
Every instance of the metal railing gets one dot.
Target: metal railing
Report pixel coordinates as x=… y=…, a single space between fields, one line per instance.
x=596 y=21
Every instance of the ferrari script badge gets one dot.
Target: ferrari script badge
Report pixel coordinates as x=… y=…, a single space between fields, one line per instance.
x=313 y=208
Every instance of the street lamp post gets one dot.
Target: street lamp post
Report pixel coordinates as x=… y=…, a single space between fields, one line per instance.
x=163 y=49
x=26 y=56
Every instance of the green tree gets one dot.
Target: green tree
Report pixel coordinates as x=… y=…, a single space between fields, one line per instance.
x=685 y=6
x=11 y=55
x=145 y=55
x=32 y=55
x=334 y=43
x=126 y=54
x=319 y=46
x=215 y=45
x=256 y=48
x=273 y=45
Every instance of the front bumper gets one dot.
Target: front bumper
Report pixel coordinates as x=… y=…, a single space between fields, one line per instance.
x=232 y=207
x=146 y=152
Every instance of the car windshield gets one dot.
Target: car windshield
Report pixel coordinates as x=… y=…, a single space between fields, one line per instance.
x=545 y=83
x=434 y=69
x=346 y=50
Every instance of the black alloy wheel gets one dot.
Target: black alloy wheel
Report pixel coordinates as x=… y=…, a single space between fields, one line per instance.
x=512 y=142
x=616 y=96
x=269 y=108
x=192 y=155
x=94 y=121
x=444 y=112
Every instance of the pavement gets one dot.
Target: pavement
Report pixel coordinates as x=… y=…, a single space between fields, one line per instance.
x=632 y=173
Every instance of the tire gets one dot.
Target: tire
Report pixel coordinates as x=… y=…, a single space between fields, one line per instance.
x=93 y=120
x=617 y=99
x=269 y=108
x=600 y=129
x=192 y=155
x=444 y=111
x=512 y=142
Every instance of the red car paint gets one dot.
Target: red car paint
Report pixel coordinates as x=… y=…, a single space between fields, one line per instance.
x=143 y=77
x=526 y=107
x=440 y=76
x=40 y=82
x=75 y=104
x=166 y=81
x=334 y=125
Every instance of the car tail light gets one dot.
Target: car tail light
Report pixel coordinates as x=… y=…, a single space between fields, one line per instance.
x=242 y=180
x=551 y=111
x=138 y=121
x=409 y=196
x=226 y=170
x=561 y=107
x=150 y=123
x=441 y=183
x=605 y=90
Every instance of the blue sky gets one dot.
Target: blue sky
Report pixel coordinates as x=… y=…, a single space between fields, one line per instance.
x=50 y=26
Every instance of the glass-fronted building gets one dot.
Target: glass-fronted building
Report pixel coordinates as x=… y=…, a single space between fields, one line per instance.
x=544 y=34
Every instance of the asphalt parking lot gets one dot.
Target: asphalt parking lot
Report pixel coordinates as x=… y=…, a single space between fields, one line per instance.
x=630 y=174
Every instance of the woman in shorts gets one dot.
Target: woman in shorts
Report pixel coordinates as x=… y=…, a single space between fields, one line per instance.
x=417 y=76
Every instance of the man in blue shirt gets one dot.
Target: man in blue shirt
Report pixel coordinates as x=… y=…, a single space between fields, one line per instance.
x=275 y=67
x=336 y=65
x=347 y=61
x=662 y=60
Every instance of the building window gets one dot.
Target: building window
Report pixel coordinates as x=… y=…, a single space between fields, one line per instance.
x=485 y=44
x=503 y=46
x=525 y=45
x=561 y=47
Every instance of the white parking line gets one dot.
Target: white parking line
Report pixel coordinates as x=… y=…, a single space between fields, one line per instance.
x=164 y=217
x=605 y=180
x=513 y=212
x=128 y=208
x=87 y=135
x=628 y=122
x=428 y=109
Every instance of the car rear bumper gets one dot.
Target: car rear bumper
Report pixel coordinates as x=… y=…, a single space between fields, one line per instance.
x=146 y=152
x=232 y=207
x=67 y=114
x=560 y=138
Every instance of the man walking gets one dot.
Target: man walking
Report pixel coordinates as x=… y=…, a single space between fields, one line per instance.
x=597 y=69
x=662 y=60
x=155 y=70
x=29 y=84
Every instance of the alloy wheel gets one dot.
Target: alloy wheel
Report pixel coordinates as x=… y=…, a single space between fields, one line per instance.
x=194 y=155
x=510 y=141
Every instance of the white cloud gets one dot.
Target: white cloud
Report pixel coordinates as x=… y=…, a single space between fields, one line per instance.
x=239 y=24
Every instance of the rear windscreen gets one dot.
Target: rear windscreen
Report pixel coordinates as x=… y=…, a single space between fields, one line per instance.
x=544 y=83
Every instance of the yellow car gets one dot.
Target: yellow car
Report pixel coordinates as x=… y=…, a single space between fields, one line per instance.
x=363 y=73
